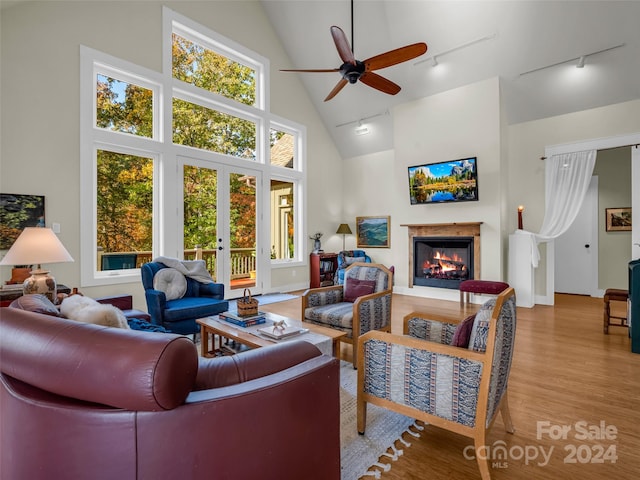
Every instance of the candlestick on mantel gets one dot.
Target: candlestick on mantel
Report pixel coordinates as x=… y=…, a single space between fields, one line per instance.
x=520 y=210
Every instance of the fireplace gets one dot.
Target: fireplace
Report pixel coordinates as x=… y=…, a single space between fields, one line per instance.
x=467 y=235
x=442 y=262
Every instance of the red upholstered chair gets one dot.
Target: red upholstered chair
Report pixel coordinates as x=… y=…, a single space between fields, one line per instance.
x=83 y=401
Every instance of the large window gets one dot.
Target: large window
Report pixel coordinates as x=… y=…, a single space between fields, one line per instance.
x=140 y=202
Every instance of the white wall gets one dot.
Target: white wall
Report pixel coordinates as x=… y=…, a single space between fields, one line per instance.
x=460 y=123
x=39 y=84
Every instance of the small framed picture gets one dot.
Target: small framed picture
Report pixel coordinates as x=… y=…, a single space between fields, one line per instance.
x=618 y=219
x=372 y=232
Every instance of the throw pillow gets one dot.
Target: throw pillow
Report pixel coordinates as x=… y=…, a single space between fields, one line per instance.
x=35 y=302
x=480 y=330
x=88 y=310
x=171 y=282
x=355 y=288
x=349 y=260
x=463 y=332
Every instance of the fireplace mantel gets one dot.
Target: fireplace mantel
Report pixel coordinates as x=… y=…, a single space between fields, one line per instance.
x=464 y=229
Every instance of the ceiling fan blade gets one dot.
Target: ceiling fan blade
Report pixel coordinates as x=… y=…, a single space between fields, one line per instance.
x=396 y=56
x=342 y=44
x=316 y=70
x=379 y=83
x=339 y=86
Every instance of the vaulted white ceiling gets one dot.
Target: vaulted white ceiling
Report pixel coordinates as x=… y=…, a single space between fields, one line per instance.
x=524 y=35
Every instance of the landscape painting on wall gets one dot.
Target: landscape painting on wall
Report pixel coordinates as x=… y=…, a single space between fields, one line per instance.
x=16 y=213
x=372 y=232
x=618 y=219
x=442 y=182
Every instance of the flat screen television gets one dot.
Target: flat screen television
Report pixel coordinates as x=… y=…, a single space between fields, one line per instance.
x=443 y=182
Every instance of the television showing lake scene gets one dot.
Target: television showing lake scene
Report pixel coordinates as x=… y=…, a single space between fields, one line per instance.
x=451 y=181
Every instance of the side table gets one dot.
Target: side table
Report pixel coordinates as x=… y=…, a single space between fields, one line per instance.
x=8 y=296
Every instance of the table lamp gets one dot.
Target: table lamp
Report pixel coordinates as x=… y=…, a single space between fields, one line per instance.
x=344 y=230
x=35 y=246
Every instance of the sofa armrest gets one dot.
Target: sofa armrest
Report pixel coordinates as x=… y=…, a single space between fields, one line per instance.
x=252 y=364
x=430 y=327
x=123 y=302
x=293 y=417
x=373 y=312
x=156 y=303
x=215 y=290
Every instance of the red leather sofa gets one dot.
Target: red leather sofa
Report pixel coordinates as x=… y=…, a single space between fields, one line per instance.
x=80 y=401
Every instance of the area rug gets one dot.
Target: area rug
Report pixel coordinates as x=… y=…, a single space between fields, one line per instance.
x=361 y=454
x=265 y=299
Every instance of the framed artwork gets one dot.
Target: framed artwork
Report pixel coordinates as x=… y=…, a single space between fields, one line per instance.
x=372 y=232
x=618 y=219
x=18 y=212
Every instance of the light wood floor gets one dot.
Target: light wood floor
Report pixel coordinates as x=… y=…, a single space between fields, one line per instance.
x=565 y=371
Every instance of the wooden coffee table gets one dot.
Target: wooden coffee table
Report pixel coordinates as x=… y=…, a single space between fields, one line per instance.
x=212 y=327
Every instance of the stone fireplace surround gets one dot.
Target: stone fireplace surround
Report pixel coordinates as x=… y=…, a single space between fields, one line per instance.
x=467 y=229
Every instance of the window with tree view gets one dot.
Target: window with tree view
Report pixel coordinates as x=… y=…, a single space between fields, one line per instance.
x=223 y=145
x=123 y=107
x=124 y=209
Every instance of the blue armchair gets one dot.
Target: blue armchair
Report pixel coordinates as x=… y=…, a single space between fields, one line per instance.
x=346 y=258
x=179 y=315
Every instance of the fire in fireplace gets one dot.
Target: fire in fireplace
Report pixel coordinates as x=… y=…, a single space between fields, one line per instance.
x=442 y=262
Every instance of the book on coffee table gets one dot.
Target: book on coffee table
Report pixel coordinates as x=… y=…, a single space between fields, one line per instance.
x=243 y=321
x=278 y=333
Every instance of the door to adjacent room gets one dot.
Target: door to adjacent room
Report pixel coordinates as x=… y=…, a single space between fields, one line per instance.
x=576 y=266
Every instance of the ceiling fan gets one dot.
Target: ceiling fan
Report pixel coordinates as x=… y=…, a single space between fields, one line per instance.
x=353 y=70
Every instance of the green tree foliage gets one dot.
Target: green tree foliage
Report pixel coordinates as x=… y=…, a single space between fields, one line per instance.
x=131 y=114
x=125 y=182
x=124 y=202
x=206 y=69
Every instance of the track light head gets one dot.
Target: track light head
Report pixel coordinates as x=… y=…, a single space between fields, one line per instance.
x=580 y=62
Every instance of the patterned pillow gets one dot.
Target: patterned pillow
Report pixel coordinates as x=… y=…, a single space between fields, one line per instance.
x=35 y=302
x=480 y=330
x=463 y=332
x=349 y=260
x=171 y=282
x=355 y=288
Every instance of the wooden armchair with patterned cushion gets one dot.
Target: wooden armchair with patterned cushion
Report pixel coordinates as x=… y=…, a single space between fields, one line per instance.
x=424 y=375
x=361 y=304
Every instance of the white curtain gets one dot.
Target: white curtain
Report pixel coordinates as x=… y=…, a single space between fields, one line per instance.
x=568 y=179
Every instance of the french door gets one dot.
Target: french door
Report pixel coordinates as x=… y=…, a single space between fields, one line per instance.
x=221 y=222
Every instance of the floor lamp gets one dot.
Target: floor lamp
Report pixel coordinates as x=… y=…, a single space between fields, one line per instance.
x=344 y=230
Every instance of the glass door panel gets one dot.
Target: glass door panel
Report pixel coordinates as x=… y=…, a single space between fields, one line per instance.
x=220 y=224
x=242 y=230
x=200 y=192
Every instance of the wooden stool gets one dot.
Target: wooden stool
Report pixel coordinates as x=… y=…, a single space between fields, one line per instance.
x=614 y=295
x=478 y=287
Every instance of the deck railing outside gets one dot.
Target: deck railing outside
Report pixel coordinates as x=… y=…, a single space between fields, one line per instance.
x=243 y=260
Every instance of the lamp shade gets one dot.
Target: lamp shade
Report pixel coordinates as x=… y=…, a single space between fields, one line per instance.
x=36 y=245
x=344 y=229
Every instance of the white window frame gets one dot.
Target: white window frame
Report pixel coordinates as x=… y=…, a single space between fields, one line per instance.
x=167 y=191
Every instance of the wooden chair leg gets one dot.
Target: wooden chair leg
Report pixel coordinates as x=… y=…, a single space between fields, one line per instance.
x=481 y=458
x=506 y=415
x=361 y=407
